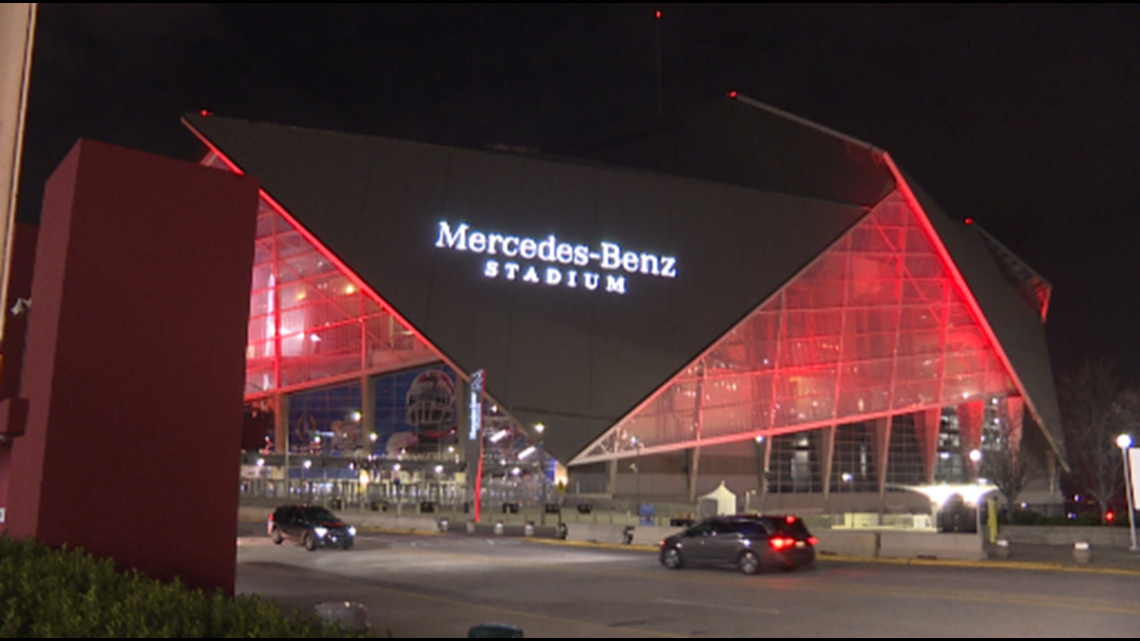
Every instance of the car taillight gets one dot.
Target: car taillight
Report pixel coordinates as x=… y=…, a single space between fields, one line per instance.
x=779 y=543
x=812 y=541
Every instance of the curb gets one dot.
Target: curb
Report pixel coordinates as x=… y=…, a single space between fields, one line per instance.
x=995 y=564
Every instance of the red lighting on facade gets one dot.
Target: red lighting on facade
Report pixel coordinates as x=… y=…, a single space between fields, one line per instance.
x=876 y=326
x=295 y=335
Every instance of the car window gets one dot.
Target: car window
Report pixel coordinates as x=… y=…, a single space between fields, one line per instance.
x=318 y=515
x=700 y=529
x=748 y=528
x=787 y=526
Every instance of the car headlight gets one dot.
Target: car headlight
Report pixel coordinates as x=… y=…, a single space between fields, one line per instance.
x=320 y=532
x=352 y=531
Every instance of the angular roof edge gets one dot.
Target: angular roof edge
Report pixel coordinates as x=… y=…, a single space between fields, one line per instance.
x=1015 y=328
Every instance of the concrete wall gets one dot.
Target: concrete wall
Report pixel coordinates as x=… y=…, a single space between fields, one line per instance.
x=887 y=544
x=930 y=545
x=1113 y=537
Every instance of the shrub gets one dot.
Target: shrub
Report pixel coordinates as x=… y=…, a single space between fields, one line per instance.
x=1025 y=517
x=67 y=593
x=1088 y=518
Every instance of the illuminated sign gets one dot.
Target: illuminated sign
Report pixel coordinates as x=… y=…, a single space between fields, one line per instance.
x=476 y=405
x=553 y=263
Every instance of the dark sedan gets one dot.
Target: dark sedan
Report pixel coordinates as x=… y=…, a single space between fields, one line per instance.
x=751 y=543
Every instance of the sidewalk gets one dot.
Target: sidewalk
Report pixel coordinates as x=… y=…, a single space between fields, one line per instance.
x=1102 y=557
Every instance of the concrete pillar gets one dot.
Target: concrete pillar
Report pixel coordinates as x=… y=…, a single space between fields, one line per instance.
x=970 y=419
x=694 y=472
x=367 y=411
x=699 y=414
x=281 y=424
x=611 y=486
x=1014 y=420
x=763 y=465
x=826 y=438
x=927 y=425
x=882 y=452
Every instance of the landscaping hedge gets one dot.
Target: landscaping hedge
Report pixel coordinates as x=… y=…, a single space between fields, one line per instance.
x=67 y=593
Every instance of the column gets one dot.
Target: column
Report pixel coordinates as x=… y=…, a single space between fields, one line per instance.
x=826 y=438
x=1014 y=419
x=763 y=465
x=927 y=425
x=970 y=418
x=882 y=452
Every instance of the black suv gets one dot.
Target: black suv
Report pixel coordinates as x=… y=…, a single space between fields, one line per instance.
x=751 y=543
x=311 y=526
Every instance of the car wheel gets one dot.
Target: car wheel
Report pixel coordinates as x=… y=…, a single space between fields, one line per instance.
x=748 y=563
x=672 y=559
x=276 y=536
x=310 y=542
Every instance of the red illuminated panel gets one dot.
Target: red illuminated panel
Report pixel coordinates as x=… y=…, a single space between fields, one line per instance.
x=310 y=321
x=875 y=326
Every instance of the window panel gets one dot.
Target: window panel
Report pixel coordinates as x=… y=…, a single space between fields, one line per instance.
x=923 y=317
x=923 y=266
x=872 y=320
x=926 y=290
x=866 y=374
x=874 y=292
x=915 y=394
x=918 y=368
x=813 y=324
x=923 y=342
x=874 y=239
x=864 y=401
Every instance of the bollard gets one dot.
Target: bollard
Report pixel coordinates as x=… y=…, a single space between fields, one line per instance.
x=528 y=529
x=471 y=527
x=498 y=528
x=444 y=524
x=1082 y=552
x=1002 y=549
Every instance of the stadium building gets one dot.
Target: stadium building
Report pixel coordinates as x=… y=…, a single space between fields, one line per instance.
x=729 y=295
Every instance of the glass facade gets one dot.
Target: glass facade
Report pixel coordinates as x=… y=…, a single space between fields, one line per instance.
x=310 y=323
x=875 y=326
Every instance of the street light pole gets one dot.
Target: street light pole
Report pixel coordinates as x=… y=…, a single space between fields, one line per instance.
x=540 y=428
x=637 y=478
x=1124 y=442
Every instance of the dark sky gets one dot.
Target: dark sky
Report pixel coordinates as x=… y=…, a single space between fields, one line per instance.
x=1023 y=117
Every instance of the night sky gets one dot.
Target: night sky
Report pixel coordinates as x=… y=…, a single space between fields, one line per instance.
x=1025 y=118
